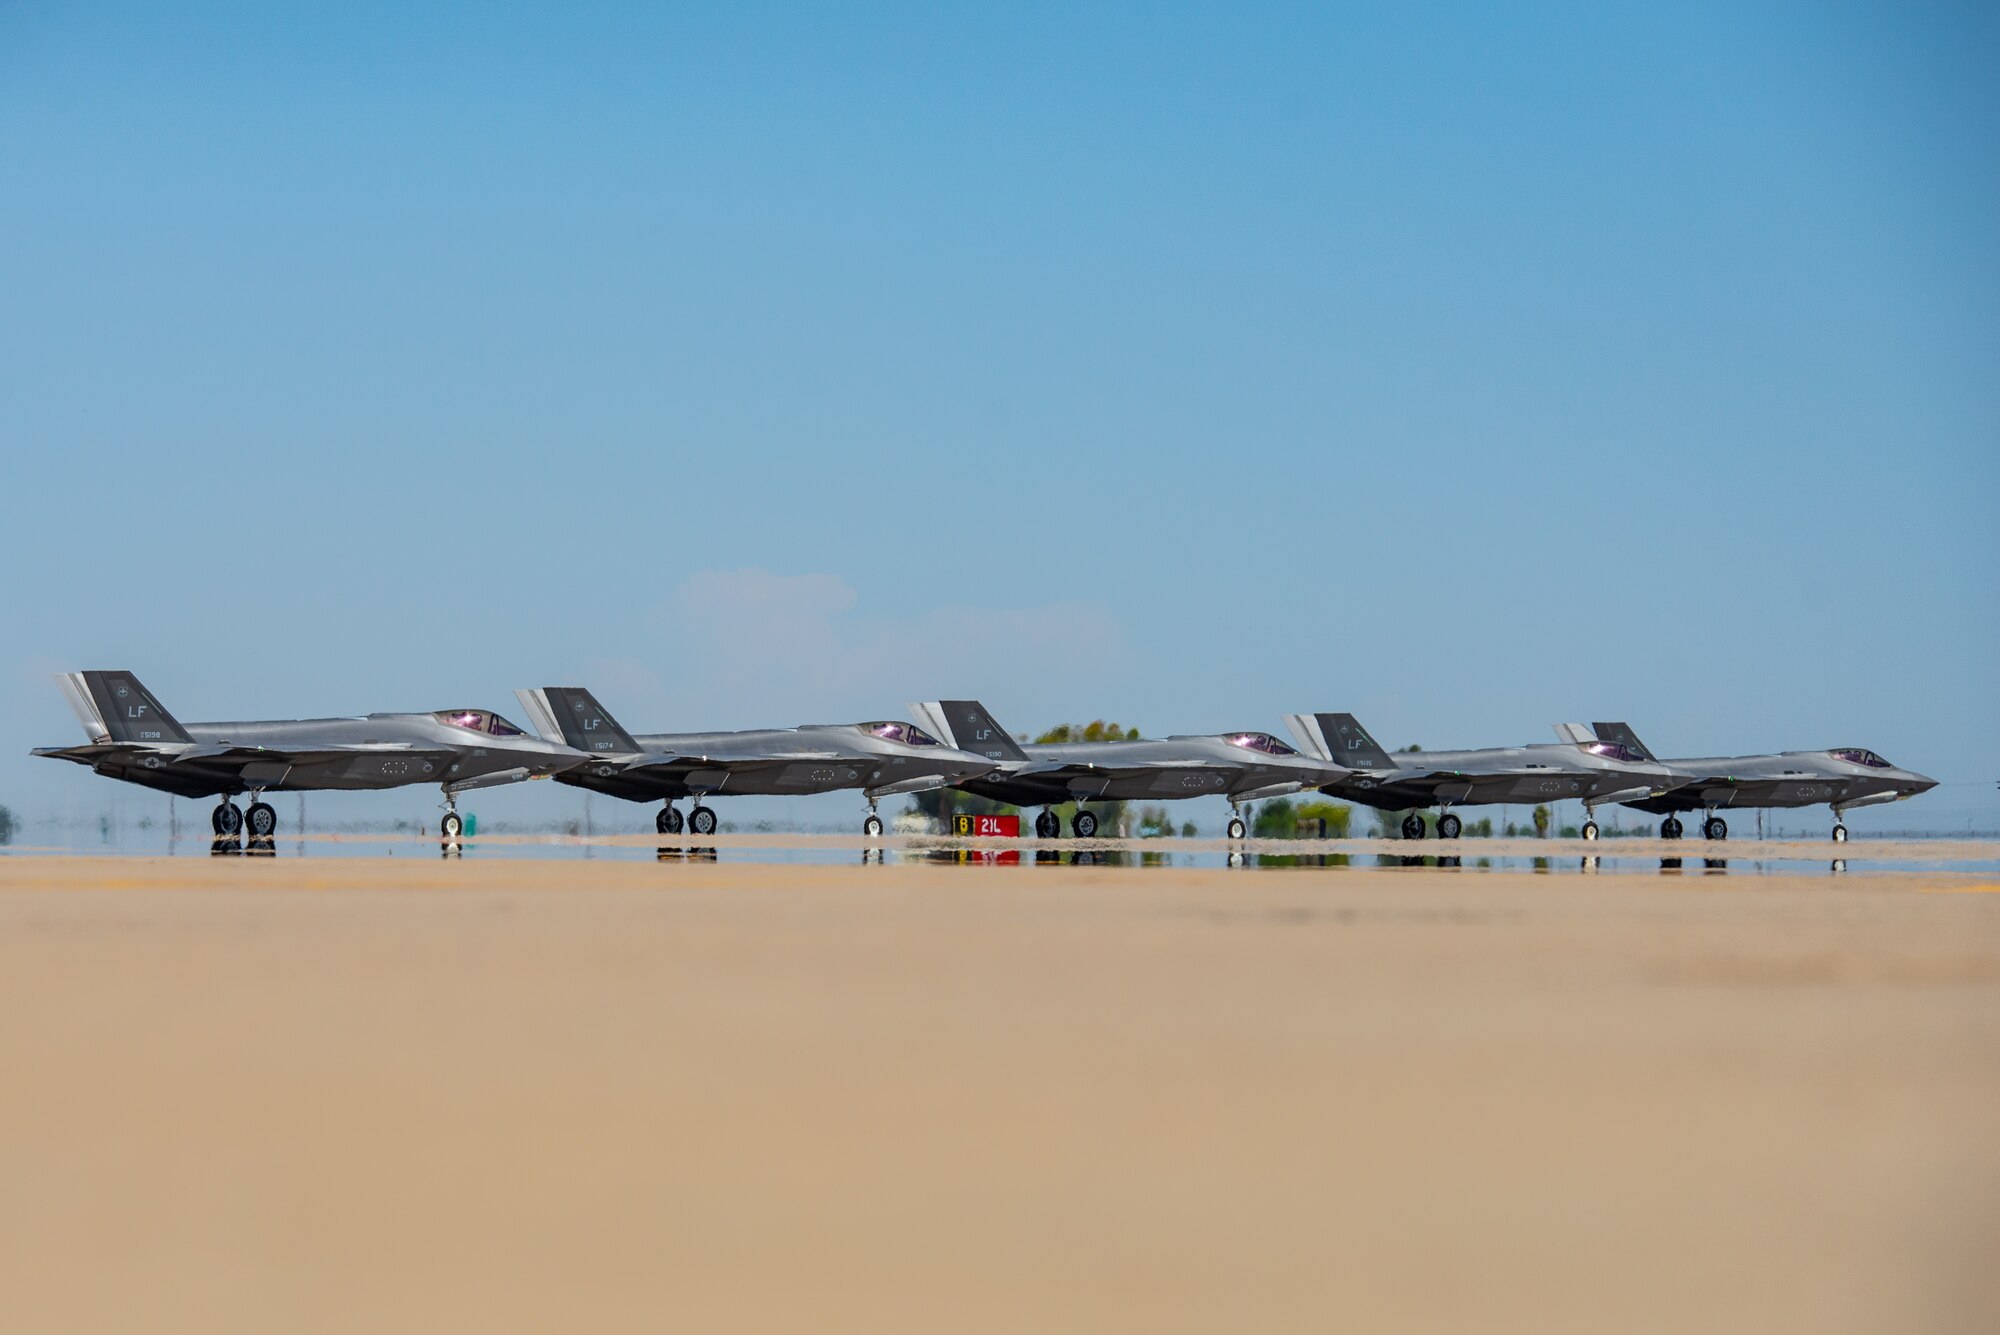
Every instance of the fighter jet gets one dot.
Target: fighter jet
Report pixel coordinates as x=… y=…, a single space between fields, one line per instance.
x=880 y=758
x=1843 y=778
x=1240 y=766
x=134 y=738
x=1583 y=768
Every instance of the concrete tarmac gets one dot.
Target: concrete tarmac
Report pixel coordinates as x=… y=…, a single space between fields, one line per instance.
x=390 y=1094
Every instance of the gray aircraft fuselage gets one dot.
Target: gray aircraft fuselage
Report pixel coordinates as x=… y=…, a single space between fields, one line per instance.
x=1240 y=766
x=878 y=758
x=1841 y=777
x=1584 y=771
x=134 y=739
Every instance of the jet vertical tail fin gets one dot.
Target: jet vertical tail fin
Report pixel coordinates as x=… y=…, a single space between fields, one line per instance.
x=114 y=707
x=1622 y=734
x=966 y=725
x=1346 y=742
x=1575 y=734
x=570 y=716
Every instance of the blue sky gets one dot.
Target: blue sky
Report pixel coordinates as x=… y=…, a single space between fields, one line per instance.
x=1184 y=365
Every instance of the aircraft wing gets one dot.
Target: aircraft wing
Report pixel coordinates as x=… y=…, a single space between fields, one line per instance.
x=745 y=761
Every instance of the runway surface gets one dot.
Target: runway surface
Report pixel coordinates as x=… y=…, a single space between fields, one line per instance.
x=502 y=1093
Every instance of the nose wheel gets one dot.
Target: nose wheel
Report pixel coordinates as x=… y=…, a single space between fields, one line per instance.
x=1237 y=829
x=1590 y=829
x=669 y=820
x=1840 y=834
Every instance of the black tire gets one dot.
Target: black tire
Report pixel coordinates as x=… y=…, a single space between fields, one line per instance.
x=1237 y=829
x=1083 y=825
x=1413 y=827
x=1047 y=826
x=1449 y=826
x=1840 y=834
x=1590 y=829
x=1670 y=828
x=452 y=826
x=1715 y=828
x=668 y=821
x=701 y=821
x=872 y=827
x=261 y=820
x=227 y=820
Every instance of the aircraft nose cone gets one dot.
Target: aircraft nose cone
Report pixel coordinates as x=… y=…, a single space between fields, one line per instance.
x=1919 y=783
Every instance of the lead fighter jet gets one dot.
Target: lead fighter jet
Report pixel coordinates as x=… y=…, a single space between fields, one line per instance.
x=1580 y=766
x=879 y=758
x=1843 y=778
x=1241 y=766
x=134 y=738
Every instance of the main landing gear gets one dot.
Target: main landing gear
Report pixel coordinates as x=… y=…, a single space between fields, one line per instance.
x=1048 y=825
x=701 y=821
x=1083 y=824
x=1670 y=828
x=1448 y=825
x=669 y=820
x=226 y=820
x=1715 y=828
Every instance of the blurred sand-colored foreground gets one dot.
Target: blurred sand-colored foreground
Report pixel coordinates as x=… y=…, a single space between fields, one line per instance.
x=508 y=1095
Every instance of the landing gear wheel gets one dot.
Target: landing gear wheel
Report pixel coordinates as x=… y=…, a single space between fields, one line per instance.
x=1840 y=834
x=1449 y=826
x=1413 y=826
x=262 y=819
x=452 y=826
x=872 y=827
x=669 y=821
x=1670 y=828
x=1083 y=825
x=227 y=820
x=1047 y=826
x=701 y=821
x=1237 y=829
x=1715 y=828
x=1590 y=829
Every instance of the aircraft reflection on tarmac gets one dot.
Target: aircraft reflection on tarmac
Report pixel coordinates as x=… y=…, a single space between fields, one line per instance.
x=1589 y=864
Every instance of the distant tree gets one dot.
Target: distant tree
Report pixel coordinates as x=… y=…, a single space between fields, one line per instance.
x=6 y=826
x=1155 y=823
x=1338 y=818
x=1275 y=819
x=1187 y=829
x=1542 y=817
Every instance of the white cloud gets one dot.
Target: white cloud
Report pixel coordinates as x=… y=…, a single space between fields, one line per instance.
x=742 y=648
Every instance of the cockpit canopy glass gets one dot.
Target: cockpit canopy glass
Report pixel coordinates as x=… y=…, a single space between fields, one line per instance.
x=479 y=720
x=1854 y=755
x=1616 y=751
x=909 y=734
x=1261 y=741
